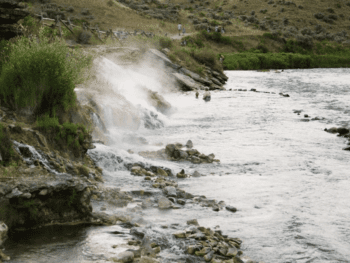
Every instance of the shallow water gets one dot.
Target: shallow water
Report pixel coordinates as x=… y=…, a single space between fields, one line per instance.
x=288 y=179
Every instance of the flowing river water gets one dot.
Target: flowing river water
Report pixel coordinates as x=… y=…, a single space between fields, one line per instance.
x=288 y=178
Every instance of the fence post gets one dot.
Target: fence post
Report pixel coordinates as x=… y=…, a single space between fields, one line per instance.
x=41 y=18
x=69 y=23
x=58 y=24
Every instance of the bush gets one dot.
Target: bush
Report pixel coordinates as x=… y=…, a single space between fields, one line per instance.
x=66 y=132
x=6 y=150
x=84 y=37
x=204 y=56
x=41 y=76
x=262 y=48
x=252 y=60
x=165 y=42
x=217 y=37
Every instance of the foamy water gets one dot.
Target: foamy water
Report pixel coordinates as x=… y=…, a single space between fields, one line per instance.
x=288 y=179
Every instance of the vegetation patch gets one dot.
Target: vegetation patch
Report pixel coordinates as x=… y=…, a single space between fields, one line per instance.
x=68 y=135
x=41 y=75
x=7 y=153
x=254 y=60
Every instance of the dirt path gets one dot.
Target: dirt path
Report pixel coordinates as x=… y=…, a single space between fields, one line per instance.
x=177 y=37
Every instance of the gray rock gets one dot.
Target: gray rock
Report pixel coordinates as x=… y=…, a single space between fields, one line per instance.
x=195 y=76
x=15 y=193
x=145 y=259
x=43 y=192
x=124 y=257
x=155 y=54
x=170 y=191
x=3 y=232
x=193 y=222
x=180 y=234
x=187 y=83
x=231 y=252
x=164 y=203
x=231 y=208
x=189 y=144
x=208 y=257
x=196 y=174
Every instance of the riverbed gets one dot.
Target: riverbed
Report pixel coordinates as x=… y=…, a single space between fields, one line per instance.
x=287 y=177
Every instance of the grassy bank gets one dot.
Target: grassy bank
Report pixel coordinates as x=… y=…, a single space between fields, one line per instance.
x=39 y=77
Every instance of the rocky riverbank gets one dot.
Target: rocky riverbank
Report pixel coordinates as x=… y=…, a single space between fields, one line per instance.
x=48 y=183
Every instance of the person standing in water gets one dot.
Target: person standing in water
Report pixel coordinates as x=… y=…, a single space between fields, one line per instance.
x=206 y=95
x=179 y=28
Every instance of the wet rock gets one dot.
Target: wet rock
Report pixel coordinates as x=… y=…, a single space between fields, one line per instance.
x=203 y=251
x=208 y=257
x=180 y=234
x=231 y=209
x=139 y=232
x=181 y=201
x=232 y=252
x=187 y=83
x=3 y=232
x=161 y=172
x=145 y=259
x=170 y=191
x=193 y=222
x=124 y=257
x=181 y=174
x=196 y=174
x=164 y=203
x=189 y=144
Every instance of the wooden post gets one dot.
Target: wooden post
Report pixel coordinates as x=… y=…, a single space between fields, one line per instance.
x=59 y=25
x=67 y=27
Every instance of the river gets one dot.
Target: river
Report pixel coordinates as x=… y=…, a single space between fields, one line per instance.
x=287 y=177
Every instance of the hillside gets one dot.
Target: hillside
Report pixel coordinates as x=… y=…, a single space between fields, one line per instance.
x=313 y=18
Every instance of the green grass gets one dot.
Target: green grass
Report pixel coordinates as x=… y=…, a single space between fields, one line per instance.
x=255 y=60
x=40 y=75
x=67 y=132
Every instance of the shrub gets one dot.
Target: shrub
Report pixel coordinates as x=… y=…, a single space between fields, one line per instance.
x=204 y=56
x=6 y=151
x=40 y=76
x=66 y=132
x=217 y=37
x=330 y=10
x=165 y=42
x=84 y=37
x=28 y=21
x=262 y=48
x=270 y=36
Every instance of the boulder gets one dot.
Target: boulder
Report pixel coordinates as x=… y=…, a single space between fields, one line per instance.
x=164 y=203
x=187 y=83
